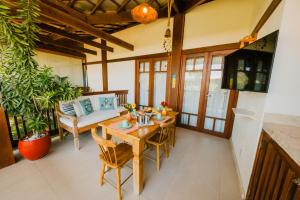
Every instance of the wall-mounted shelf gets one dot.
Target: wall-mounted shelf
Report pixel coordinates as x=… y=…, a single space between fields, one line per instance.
x=244 y=113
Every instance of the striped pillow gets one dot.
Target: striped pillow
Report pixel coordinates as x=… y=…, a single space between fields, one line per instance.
x=68 y=108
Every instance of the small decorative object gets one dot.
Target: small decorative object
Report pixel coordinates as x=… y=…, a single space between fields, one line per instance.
x=130 y=108
x=167 y=43
x=164 y=106
x=144 y=13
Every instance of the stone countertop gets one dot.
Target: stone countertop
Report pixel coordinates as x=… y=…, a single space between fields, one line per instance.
x=285 y=130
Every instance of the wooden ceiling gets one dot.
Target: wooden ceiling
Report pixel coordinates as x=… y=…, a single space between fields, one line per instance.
x=68 y=24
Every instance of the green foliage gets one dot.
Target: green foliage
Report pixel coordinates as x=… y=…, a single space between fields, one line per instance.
x=26 y=88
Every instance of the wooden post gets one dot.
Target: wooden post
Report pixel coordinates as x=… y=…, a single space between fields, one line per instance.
x=6 y=151
x=104 y=67
x=174 y=76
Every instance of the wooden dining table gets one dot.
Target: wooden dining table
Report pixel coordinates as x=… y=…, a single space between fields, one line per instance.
x=137 y=140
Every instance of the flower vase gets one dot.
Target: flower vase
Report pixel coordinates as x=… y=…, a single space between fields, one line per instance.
x=128 y=116
x=164 y=112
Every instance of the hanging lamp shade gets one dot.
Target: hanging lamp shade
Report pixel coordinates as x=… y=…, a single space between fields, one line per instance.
x=144 y=13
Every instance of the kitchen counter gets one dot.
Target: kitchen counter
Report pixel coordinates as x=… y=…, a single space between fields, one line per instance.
x=285 y=130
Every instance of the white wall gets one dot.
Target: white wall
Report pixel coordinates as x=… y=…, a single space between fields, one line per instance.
x=217 y=22
x=284 y=92
x=62 y=66
x=246 y=132
x=121 y=75
x=94 y=77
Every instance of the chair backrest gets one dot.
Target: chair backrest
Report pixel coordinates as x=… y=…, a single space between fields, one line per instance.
x=107 y=148
x=166 y=128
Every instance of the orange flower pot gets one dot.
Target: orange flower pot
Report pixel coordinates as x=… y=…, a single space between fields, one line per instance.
x=35 y=149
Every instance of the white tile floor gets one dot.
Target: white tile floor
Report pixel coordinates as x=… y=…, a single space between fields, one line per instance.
x=200 y=167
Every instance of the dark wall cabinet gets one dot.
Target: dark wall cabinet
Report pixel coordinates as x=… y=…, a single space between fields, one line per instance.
x=275 y=175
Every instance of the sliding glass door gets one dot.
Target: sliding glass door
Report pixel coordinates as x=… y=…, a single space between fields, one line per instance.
x=151 y=82
x=204 y=105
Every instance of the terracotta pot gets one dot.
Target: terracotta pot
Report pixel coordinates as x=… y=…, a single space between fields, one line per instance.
x=128 y=116
x=164 y=112
x=36 y=149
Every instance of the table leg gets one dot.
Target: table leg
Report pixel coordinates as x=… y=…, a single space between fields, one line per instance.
x=138 y=166
x=105 y=135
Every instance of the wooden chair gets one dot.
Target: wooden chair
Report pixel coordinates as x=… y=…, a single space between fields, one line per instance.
x=162 y=138
x=112 y=156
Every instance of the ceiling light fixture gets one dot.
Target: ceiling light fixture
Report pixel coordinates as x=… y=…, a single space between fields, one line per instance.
x=144 y=13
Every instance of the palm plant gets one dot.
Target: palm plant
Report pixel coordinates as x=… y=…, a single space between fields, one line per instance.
x=26 y=88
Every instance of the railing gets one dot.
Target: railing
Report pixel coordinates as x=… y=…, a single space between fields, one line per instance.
x=17 y=125
x=121 y=95
x=18 y=128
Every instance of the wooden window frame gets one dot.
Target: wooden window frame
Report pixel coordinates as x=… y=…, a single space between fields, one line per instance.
x=151 y=78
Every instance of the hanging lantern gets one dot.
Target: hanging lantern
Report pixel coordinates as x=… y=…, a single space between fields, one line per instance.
x=144 y=13
x=167 y=43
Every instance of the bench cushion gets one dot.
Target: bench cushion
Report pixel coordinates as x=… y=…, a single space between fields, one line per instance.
x=95 y=117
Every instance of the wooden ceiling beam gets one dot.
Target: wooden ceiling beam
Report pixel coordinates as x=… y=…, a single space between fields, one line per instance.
x=136 y=2
x=59 y=51
x=110 y=18
x=193 y=3
x=272 y=7
x=98 y=4
x=71 y=3
x=113 y=18
x=123 y=4
x=62 y=44
x=74 y=37
x=64 y=7
x=116 y=3
x=69 y=20
x=157 y=3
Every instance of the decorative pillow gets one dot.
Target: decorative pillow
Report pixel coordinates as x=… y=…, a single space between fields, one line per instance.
x=68 y=108
x=77 y=109
x=106 y=103
x=86 y=106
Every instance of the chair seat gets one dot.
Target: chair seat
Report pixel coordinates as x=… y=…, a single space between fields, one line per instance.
x=123 y=154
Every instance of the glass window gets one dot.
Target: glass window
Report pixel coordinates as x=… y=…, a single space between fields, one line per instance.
x=141 y=67
x=189 y=64
x=209 y=123
x=144 y=88
x=157 y=66
x=164 y=65
x=147 y=66
x=216 y=62
x=220 y=125
x=199 y=63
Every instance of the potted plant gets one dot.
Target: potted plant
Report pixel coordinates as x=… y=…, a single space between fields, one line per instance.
x=27 y=89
